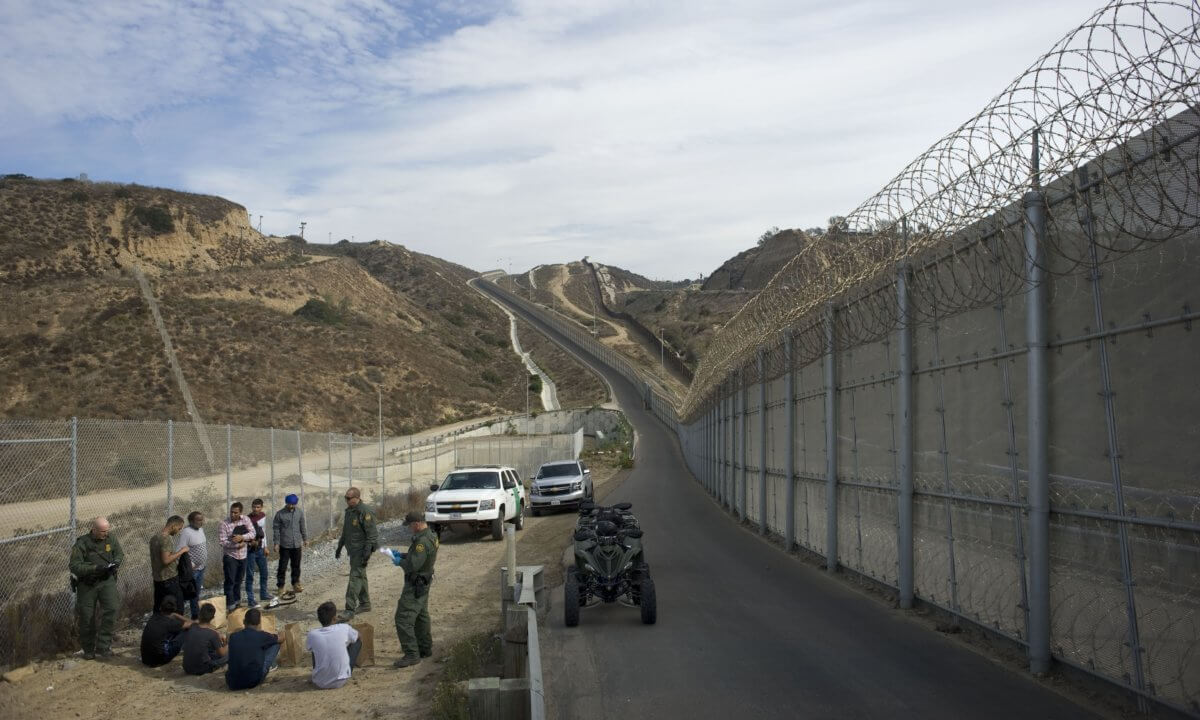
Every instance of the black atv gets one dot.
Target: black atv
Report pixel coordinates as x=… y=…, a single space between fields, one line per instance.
x=609 y=564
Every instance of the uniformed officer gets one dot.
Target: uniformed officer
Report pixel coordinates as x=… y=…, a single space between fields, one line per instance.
x=95 y=558
x=412 y=611
x=360 y=538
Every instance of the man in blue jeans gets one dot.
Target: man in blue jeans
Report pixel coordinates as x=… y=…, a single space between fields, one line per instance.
x=193 y=537
x=257 y=554
x=234 y=533
x=252 y=653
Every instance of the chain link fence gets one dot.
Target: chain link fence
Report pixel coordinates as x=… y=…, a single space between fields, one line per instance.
x=56 y=476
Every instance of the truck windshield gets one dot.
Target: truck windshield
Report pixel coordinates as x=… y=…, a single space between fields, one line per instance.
x=549 y=471
x=472 y=481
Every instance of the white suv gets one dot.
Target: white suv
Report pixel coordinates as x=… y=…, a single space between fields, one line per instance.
x=482 y=497
x=565 y=483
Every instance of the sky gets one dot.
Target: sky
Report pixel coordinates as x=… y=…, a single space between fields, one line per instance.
x=661 y=136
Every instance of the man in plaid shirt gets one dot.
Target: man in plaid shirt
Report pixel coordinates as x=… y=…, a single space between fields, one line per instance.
x=233 y=535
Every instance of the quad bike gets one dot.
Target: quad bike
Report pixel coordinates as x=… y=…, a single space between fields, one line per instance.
x=609 y=564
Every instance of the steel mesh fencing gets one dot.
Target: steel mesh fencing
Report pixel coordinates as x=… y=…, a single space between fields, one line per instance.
x=57 y=476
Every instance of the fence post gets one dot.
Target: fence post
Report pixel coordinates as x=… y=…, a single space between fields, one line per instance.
x=831 y=464
x=329 y=474
x=904 y=389
x=300 y=465
x=762 y=445
x=271 y=465
x=74 y=520
x=1039 y=477
x=382 y=464
x=228 y=466
x=789 y=457
x=410 y=461
x=435 y=458
x=744 y=455
x=170 y=468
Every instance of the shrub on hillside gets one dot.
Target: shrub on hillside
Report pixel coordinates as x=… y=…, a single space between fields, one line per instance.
x=155 y=217
x=135 y=473
x=323 y=311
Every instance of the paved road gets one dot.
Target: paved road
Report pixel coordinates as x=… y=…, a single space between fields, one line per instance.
x=745 y=631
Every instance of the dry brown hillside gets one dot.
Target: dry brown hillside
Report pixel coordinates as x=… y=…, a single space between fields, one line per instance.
x=750 y=270
x=77 y=337
x=636 y=309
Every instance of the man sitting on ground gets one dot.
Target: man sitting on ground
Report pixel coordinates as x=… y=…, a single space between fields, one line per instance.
x=252 y=652
x=162 y=639
x=334 y=648
x=204 y=649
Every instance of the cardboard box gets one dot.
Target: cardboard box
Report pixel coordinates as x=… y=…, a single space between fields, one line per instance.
x=366 y=633
x=218 y=603
x=292 y=652
x=234 y=620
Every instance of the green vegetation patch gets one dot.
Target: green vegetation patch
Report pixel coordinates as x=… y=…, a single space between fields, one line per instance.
x=155 y=217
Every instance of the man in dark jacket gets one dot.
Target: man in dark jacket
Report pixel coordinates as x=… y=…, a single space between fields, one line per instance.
x=361 y=538
x=412 y=610
x=95 y=558
x=291 y=536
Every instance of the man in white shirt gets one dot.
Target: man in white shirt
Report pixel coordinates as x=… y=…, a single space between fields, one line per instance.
x=334 y=647
x=193 y=537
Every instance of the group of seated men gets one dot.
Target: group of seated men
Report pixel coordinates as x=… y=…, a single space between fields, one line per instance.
x=248 y=654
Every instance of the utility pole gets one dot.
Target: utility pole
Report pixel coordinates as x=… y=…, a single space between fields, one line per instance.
x=260 y=224
x=382 y=471
x=302 y=224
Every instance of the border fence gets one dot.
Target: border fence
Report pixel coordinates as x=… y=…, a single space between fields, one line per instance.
x=979 y=388
x=55 y=476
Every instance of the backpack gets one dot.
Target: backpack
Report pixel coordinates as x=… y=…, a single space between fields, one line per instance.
x=187 y=581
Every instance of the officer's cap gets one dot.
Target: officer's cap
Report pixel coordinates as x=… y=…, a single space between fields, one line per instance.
x=412 y=517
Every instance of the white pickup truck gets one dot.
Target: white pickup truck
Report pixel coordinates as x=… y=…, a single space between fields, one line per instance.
x=483 y=498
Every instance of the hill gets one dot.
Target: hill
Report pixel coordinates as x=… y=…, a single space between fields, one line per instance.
x=268 y=331
x=751 y=269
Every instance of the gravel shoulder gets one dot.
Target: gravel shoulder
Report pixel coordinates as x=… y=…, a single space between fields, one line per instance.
x=464 y=600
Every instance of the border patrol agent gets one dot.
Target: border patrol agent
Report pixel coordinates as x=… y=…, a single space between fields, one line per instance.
x=95 y=558
x=412 y=610
x=360 y=538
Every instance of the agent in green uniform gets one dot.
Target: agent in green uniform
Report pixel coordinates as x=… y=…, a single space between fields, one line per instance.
x=95 y=558
x=360 y=538
x=412 y=611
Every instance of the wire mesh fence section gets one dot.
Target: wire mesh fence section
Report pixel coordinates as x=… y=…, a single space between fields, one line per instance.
x=57 y=476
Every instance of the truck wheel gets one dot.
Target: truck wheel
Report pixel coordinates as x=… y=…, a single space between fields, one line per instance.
x=649 y=602
x=519 y=520
x=498 y=526
x=571 y=598
x=535 y=511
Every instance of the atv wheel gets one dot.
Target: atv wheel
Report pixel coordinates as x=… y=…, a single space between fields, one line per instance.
x=498 y=526
x=519 y=520
x=649 y=602
x=571 y=599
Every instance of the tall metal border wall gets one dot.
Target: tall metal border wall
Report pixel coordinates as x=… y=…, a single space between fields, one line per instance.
x=980 y=387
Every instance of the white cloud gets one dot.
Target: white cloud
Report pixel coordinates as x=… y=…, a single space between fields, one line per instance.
x=659 y=136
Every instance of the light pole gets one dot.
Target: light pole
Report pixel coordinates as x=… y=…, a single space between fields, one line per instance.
x=662 y=352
